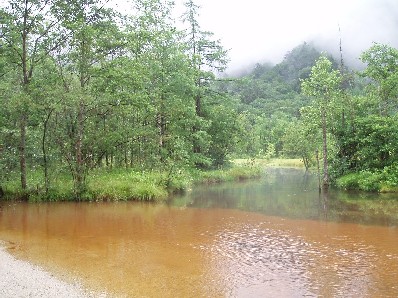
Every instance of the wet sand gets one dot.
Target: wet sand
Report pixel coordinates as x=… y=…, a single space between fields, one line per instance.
x=22 y=279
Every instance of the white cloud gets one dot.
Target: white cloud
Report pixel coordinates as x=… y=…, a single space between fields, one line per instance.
x=264 y=30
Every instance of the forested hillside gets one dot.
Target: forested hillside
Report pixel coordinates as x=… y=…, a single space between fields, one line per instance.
x=84 y=87
x=313 y=107
x=270 y=100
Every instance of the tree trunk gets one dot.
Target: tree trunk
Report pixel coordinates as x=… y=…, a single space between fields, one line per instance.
x=22 y=149
x=44 y=150
x=198 y=105
x=306 y=163
x=24 y=116
x=319 y=171
x=198 y=109
x=325 y=182
x=161 y=128
x=79 y=183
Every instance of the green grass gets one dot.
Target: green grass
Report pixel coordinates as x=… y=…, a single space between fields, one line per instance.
x=385 y=188
x=61 y=187
x=233 y=174
x=273 y=162
x=121 y=184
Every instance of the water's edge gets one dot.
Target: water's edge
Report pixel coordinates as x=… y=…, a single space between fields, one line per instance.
x=23 y=279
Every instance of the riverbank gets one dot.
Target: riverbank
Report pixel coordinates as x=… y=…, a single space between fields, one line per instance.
x=385 y=181
x=120 y=184
x=22 y=279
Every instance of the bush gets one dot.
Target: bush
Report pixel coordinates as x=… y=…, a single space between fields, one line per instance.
x=364 y=180
x=349 y=181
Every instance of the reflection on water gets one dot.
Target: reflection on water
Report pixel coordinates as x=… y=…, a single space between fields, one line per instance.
x=267 y=238
x=294 y=193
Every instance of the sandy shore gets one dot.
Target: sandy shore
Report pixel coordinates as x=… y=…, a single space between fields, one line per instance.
x=22 y=279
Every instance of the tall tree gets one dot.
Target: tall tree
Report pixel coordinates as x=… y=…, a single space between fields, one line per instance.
x=92 y=33
x=324 y=85
x=207 y=56
x=29 y=32
x=170 y=80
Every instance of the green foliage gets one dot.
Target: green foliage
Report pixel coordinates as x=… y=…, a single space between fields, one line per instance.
x=385 y=180
x=382 y=68
x=270 y=101
x=368 y=143
x=364 y=180
x=223 y=129
x=323 y=83
x=298 y=63
x=377 y=139
x=390 y=178
x=85 y=90
x=300 y=142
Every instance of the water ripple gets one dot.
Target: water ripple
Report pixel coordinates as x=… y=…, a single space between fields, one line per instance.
x=261 y=260
x=254 y=259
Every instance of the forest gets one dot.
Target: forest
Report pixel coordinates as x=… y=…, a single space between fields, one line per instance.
x=94 y=101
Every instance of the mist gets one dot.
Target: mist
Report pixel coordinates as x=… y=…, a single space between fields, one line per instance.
x=370 y=23
x=264 y=31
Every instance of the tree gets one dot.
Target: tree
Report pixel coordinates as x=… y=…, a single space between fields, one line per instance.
x=324 y=86
x=47 y=94
x=300 y=141
x=206 y=55
x=29 y=32
x=223 y=129
x=297 y=64
x=91 y=32
x=382 y=69
x=168 y=82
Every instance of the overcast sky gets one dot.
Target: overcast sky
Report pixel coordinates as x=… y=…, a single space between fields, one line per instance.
x=264 y=30
x=259 y=31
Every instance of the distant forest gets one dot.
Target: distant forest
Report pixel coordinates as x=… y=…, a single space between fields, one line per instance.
x=354 y=112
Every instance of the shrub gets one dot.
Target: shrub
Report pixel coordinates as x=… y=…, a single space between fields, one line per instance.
x=364 y=180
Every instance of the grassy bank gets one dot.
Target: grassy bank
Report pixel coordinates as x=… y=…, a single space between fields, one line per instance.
x=380 y=180
x=122 y=184
x=236 y=173
x=272 y=162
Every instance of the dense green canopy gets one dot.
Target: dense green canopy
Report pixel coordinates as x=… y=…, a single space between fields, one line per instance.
x=84 y=87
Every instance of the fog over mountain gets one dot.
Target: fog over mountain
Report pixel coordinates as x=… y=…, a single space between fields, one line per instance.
x=263 y=31
x=258 y=31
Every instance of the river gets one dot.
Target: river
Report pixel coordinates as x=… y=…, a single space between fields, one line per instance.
x=271 y=237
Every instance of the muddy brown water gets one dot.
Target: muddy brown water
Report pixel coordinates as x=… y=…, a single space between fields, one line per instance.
x=273 y=237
